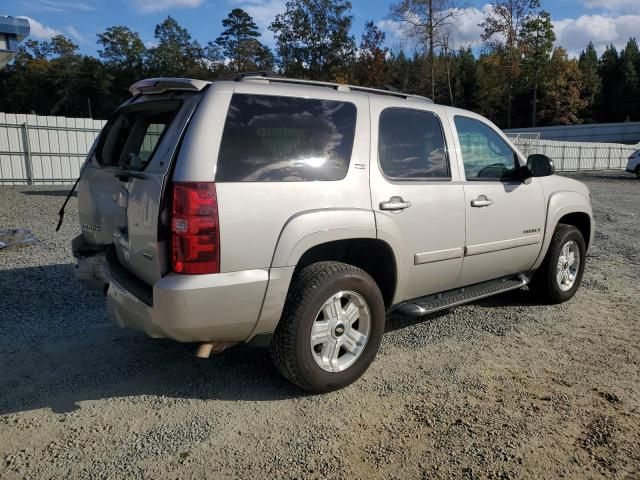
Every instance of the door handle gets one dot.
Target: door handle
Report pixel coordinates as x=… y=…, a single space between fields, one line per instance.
x=394 y=203
x=481 y=201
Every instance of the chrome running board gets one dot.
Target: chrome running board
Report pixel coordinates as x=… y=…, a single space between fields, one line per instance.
x=458 y=296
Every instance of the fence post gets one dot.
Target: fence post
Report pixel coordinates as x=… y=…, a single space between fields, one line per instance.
x=609 y=158
x=595 y=156
x=579 y=156
x=564 y=149
x=28 y=161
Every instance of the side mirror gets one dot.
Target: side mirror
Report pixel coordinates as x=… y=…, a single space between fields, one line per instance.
x=540 y=165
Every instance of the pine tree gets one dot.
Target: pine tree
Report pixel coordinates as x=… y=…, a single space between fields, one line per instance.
x=239 y=43
x=610 y=73
x=536 y=43
x=371 y=65
x=629 y=93
x=591 y=82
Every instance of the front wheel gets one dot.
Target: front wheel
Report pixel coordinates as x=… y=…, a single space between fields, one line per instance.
x=331 y=327
x=560 y=275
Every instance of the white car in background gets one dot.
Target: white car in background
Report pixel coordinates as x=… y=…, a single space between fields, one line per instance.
x=633 y=165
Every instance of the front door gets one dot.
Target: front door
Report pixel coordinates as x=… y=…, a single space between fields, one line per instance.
x=417 y=197
x=504 y=215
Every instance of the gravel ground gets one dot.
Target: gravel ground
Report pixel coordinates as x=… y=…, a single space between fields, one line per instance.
x=503 y=388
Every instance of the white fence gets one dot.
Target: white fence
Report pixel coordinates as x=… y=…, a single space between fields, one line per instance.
x=577 y=156
x=44 y=150
x=37 y=150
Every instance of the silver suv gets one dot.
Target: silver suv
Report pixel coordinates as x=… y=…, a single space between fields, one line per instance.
x=298 y=214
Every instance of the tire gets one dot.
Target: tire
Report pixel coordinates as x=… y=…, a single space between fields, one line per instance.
x=307 y=310
x=638 y=172
x=548 y=283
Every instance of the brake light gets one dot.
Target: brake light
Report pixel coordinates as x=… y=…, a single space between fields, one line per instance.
x=195 y=229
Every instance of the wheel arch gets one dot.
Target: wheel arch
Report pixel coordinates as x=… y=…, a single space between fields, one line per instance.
x=345 y=235
x=570 y=208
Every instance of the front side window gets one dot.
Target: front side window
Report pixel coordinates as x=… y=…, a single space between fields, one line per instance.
x=411 y=145
x=131 y=137
x=485 y=154
x=285 y=139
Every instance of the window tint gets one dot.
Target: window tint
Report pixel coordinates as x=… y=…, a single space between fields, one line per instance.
x=412 y=145
x=485 y=154
x=284 y=139
x=131 y=137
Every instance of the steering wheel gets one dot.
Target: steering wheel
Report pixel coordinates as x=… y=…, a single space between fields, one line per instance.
x=496 y=170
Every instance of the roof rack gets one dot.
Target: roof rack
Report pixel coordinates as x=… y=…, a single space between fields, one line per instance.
x=277 y=78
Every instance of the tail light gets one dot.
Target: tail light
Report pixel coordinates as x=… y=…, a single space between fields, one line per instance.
x=195 y=230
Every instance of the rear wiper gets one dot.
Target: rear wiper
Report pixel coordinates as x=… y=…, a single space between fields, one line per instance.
x=73 y=189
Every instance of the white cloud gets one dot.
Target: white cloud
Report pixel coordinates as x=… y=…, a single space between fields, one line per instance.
x=614 y=5
x=40 y=32
x=151 y=6
x=574 y=34
x=63 y=6
x=76 y=35
x=464 y=30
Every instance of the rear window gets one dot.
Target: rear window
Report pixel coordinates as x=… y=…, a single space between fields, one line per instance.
x=285 y=139
x=132 y=136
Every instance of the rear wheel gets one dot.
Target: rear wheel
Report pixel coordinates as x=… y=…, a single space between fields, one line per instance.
x=638 y=171
x=560 y=275
x=331 y=327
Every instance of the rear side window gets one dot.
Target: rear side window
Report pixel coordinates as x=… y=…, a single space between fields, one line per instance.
x=412 y=145
x=132 y=136
x=285 y=139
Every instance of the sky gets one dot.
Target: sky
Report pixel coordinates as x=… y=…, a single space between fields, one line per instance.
x=576 y=22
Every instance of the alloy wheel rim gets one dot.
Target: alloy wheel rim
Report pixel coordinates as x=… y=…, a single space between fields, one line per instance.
x=568 y=265
x=340 y=331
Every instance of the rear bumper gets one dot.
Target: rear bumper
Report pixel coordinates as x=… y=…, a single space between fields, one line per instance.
x=193 y=308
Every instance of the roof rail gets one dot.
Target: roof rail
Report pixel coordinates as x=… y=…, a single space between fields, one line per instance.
x=277 y=78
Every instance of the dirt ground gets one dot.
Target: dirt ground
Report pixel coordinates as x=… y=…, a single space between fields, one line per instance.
x=504 y=388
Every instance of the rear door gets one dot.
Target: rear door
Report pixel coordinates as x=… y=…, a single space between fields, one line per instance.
x=417 y=199
x=120 y=193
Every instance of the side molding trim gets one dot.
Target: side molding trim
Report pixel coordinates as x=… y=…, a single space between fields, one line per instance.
x=437 y=255
x=503 y=244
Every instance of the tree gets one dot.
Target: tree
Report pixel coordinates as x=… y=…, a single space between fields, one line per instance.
x=239 y=43
x=629 y=92
x=427 y=21
x=536 y=42
x=465 y=79
x=591 y=82
x=123 y=55
x=563 y=102
x=176 y=53
x=62 y=46
x=313 y=40
x=371 y=67
x=610 y=73
x=121 y=48
x=493 y=85
x=503 y=24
